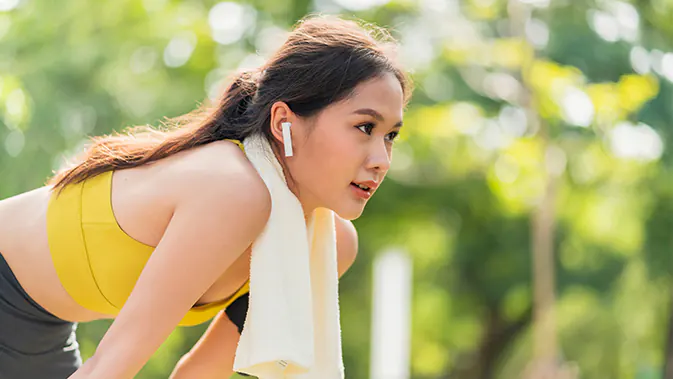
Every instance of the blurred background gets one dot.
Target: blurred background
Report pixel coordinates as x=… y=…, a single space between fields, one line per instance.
x=525 y=228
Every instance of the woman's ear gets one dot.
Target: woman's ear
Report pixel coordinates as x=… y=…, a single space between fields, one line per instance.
x=280 y=113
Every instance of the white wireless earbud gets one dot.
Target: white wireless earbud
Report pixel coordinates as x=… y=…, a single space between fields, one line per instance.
x=287 y=138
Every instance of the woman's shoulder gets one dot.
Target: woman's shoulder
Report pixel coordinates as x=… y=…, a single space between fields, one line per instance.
x=211 y=157
x=219 y=171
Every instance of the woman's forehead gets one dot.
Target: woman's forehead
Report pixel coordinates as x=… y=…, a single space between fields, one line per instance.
x=383 y=95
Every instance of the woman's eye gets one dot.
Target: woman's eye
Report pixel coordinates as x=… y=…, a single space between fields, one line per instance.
x=366 y=128
x=392 y=136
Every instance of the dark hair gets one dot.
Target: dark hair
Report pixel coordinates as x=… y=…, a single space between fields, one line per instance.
x=322 y=61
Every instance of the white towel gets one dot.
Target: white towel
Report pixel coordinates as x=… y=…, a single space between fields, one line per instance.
x=292 y=329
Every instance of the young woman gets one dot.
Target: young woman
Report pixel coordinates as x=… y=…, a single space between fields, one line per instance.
x=154 y=228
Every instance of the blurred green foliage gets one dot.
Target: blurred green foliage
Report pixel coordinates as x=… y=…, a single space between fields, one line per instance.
x=467 y=173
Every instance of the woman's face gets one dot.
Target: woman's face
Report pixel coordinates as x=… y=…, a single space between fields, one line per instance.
x=347 y=144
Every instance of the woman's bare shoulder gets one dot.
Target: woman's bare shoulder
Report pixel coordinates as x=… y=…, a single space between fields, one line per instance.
x=218 y=171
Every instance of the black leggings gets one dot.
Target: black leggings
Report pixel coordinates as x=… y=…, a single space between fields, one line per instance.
x=34 y=344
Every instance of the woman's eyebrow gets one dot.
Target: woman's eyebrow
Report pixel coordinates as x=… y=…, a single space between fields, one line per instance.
x=375 y=114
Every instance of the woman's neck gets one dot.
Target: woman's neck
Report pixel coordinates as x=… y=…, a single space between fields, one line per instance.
x=305 y=203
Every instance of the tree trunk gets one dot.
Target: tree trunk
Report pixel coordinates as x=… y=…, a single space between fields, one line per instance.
x=545 y=362
x=543 y=226
x=498 y=336
x=668 y=353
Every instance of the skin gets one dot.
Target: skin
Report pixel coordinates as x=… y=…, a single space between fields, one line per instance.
x=191 y=207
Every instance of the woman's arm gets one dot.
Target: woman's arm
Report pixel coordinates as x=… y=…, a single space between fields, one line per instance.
x=347 y=244
x=207 y=233
x=212 y=357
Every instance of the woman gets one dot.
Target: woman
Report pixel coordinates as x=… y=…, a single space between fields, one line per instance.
x=154 y=228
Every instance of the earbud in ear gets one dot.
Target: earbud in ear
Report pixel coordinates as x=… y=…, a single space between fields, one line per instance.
x=287 y=138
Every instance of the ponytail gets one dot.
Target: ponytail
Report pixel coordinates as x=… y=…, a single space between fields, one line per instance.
x=142 y=144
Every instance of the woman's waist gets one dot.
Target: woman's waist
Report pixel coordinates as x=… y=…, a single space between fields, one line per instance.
x=23 y=220
x=24 y=244
x=51 y=296
x=35 y=273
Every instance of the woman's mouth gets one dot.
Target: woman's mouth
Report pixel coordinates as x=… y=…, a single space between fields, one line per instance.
x=361 y=190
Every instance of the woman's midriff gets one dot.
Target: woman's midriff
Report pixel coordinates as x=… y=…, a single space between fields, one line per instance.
x=23 y=243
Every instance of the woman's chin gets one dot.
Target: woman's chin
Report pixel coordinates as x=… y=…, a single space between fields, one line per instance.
x=350 y=212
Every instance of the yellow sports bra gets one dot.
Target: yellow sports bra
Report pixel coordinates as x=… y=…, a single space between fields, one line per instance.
x=96 y=261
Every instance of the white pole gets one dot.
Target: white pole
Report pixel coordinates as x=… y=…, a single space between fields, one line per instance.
x=391 y=316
